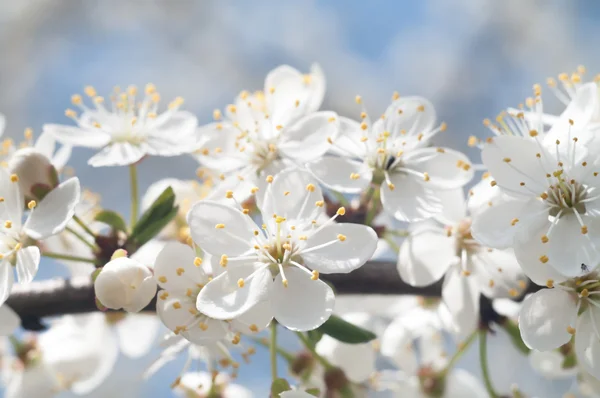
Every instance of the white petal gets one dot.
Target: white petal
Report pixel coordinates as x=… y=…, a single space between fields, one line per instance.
x=304 y=304
x=549 y=364
x=409 y=201
x=220 y=140
x=117 y=154
x=454 y=209
x=234 y=239
x=544 y=319
x=348 y=141
x=512 y=160
x=13 y=199
x=2 y=124
x=342 y=256
x=175 y=270
x=28 y=262
x=288 y=196
x=461 y=383
x=75 y=136
x=9 y=320
x=335 y=173
x=54 y=212
x=500 y=266
x=587 y=342
x=396 y=343
x=461 y=295
x=222 y=298
x=425 y=257
x=404 y=115
x=446 y=169
x=45 y=144
x=483 y=195
x=133 y=343
x=295 y=394
x=7 y=279
x=307 y=139
x=345 y=355
x=496 y=226
x=254 y=319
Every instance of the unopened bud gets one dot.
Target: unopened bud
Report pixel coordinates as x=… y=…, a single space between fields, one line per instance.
x=125 y=283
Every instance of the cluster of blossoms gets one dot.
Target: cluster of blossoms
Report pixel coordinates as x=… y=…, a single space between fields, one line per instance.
x=287 y=196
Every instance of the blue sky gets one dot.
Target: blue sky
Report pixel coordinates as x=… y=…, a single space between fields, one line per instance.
x=470 y=58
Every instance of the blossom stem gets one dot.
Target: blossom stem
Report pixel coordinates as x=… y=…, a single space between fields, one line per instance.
x=341 y=198
x=80 y=222
x=460 y=351
x=288 y=356
x=69 y=258
x=373 y=207
x=484 y=364
x=134 y=194
x=310 y=347
x=391 y=243
x=273 y=350
x=81 y=238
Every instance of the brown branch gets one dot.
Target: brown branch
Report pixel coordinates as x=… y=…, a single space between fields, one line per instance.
x=38 y=300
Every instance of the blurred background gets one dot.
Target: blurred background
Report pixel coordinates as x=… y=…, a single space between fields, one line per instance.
x=471 y=58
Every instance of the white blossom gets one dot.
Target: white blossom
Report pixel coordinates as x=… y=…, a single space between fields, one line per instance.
x=199 y=384
x=129 y=130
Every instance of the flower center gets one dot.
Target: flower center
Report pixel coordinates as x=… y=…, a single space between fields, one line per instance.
x=432 y=384
x=566 y=197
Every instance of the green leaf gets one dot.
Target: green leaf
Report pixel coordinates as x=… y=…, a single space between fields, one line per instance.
x=113 y=219
x=278 y=386
x=515 y=335
x=314 y=336
x=345 y=332
x=158 y=215
x=314 y=391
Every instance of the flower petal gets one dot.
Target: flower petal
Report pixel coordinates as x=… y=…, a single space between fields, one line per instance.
x=426 y=256
x=234 y=238
x=133 y=343
x=222 y=298
x=344 y=356
x=513 y=160
x=304 y=304
x=409 y=116
x=117 y=154
x=7 y=279
x=409 y=200
x=341 y=174
x=447 y=168
x=454 y=209
x=348 y=141
x=255 y=319
x=550 y=365
x=545 y=317
x=175 y=270
x=396 y=344
x=587 y=342
x=342 y=256
x=76 y=136
x=461 y=295
x=308 y=138
x=218 y=150
x=9 y=320
x=28 y=262
x=461 y=383
x=54 y=212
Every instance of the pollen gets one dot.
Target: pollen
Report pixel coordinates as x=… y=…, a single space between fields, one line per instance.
x=203 y=326
x=177 y=305
x=197 y=261
x=253 y=328
x=285 y=282
x=472 y=141
x=315 y=275
x=254 y=190
x=570 y=330
x=533 y=133
x=354 y=176
x=585 y=293
x=584 y=229
x=224 y=260
x=219 y=226
x=319 y=203
x=544 y=196
x=426 y=177
x=493 y=183
x=90 y=91
x=421 y=108
x=164 y=295
x=310 y=188
x=180 y=271
x=341 y=211
x=443 y=126
x=240 y=283
x=506 y=160
x=363 y=126
x=491 y=283
x=7 y=224
x=391 y=186
x=14 y=178
x=279 y=219
x=550 y=283
x=358 y=99
x=514 y=221
x=229 y=194
x=513 y=292
x=31 y=205
x=246 y=211
x=543 y=259
x=341 y=237
x=269 y=179
x=162 y=279
x=466 y=273
x=189 y=293
x=545 y=239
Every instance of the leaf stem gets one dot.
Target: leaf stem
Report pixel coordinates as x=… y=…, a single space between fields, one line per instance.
x=273 y=350
x=80 y=222
x=69 y=258
x=81 y=238
x=484 y=364
x=460 y=351
x=134 y=193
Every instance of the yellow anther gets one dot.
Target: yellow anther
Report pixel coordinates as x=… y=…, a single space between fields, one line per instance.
x=232 y=108
x=89 y=91
x=550 y=283
x=426 y=176
x=363 y=115
x=76 y=99
x=269 y=179
x=358 y=99
x=493 y=183
x=150 y=88
x=466 y=273
x=177 y=305
x=229 y=194
x=544 y=196
x=391 y=186
x=224 y=260
x=364 y=139
x=533 y=133
x=584 y=229
x=421 y=108
x=341 y=237
x=570 y=330
x=253 y=328
x=197 y=261
x=180 y=271
x=341 y=211
x=310 y=188
x=513 y=292
x=279 y=219
x=203 y=326
x=514 y=221
x=240 y=282
x=354 y=176
x=364 y=126
x=164 y=295
x=254 y=190
x=220 y=226
x=443 y=126
x=544 y=259
x=302 y=237
x=246 y=211
x=14 y=178
x=472 y=141
x=585 y=293
x=315 y=275
x=545 y=239
x=319 y=203
x=491 y=283
x=506 y=160
x=71 y=113
x=7 y=224
x=285 y=282
x=162 y=279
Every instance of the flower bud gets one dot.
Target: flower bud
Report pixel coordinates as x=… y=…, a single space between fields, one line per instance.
x=37 y=176
x=125 y=283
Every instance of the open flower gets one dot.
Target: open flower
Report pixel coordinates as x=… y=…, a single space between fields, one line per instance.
x=181 y=276
x=280 y=261
x=394 y=152
x=203 y=384
x=436 y=249
x=129 y=130
x=45 y=219
x=267 y=131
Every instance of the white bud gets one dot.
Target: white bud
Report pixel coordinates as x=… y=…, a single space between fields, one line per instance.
x=125 y=283
x=37 y=175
